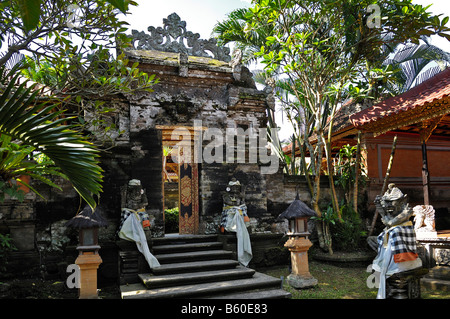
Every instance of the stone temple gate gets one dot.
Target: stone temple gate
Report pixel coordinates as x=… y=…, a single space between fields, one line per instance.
x=205 y=109
x=202 y=99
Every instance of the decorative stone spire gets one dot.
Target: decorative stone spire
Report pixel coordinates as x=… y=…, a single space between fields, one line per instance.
x=173 y=37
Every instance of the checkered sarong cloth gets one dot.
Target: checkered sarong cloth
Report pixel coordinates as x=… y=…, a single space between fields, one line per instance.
x=403 y=239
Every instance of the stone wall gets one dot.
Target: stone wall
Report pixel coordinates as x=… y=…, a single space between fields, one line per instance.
x=283 y=189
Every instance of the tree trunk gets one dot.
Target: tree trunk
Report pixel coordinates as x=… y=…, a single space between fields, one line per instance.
x=334 y=198
x=302 y=148
x=293 y=155
x=327 y=237
x=321 y=231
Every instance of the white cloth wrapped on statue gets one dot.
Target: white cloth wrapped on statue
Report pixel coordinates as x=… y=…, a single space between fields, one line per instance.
x=397 y=252
x=143 y=216
x=235 y=219
x=132 y=230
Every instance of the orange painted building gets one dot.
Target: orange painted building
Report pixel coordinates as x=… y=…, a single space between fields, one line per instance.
x=420 y=118
x=407 y=166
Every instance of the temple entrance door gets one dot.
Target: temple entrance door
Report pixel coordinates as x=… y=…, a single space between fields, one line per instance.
x=188 y=198
x=178 y=144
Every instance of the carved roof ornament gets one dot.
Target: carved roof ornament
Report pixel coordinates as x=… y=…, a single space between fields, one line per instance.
x=173 y=37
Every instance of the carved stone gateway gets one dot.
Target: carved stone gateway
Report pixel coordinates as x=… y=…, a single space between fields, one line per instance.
x=173 y=37
x=202 y=96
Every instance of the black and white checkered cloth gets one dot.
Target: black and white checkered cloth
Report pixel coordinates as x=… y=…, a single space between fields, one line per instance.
x=403 y=239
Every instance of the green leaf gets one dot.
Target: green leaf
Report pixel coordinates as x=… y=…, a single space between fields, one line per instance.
x=122 y=5
x=30 y=11
x=445 y=35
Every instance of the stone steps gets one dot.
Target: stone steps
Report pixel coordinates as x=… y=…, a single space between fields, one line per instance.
x=252 y=286
x=256 y=294
x=175 y=239
x=177 y=248
x=156 y=281
x=199 y=267
x=193 y=256
x=195 y=266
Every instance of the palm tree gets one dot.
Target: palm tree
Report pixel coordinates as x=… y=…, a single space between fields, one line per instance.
x=29 y=127
x=417 y=63
x=235 y=29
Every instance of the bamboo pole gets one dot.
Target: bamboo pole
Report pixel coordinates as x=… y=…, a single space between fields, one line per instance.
x=386 y=181
x=357 y=172
x=425 y=175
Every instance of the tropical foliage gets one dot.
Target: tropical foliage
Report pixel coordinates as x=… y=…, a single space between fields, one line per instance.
x=6 y=246
x=321 y=51
x=28 y=127
x=415 y=64
x=171 y=220
x=65 y=46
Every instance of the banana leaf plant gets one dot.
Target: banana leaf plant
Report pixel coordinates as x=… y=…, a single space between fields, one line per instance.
x=29 y=127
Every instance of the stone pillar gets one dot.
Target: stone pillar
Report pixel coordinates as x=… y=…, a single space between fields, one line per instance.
x=88 y=263
x=300 y=276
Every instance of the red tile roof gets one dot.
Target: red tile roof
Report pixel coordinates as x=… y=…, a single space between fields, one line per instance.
x=433 y=89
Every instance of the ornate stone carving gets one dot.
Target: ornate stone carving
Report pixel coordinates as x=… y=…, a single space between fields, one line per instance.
x=233 y=200
x=133 y=196
x=173 y=37
x=424 y=218
x=393 y=206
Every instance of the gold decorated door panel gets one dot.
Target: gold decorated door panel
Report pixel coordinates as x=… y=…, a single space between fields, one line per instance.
x=188 y=198
x=180 y=141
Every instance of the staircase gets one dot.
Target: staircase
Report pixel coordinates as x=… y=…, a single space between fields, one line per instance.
x=198 y=267
x=437 y=279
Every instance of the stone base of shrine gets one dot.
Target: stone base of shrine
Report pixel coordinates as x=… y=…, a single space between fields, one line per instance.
x=435 y=251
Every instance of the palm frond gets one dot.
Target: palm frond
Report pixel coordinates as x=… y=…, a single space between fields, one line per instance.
x=37 y=125
x=413 y=59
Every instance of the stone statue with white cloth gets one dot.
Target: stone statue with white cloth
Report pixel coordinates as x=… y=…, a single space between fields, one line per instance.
x=134 y=219
x=397 y=250
x=235 y=219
